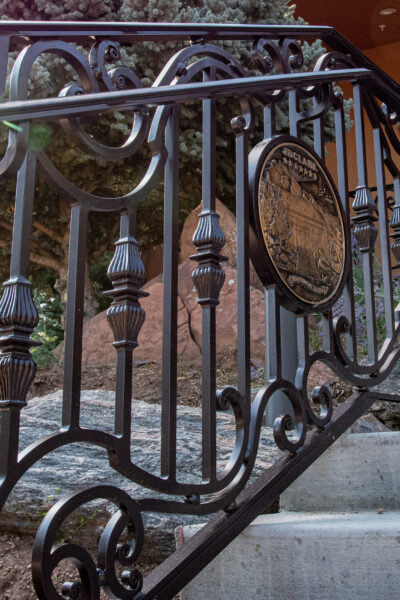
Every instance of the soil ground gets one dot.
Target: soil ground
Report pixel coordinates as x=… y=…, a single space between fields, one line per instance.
x=146 y=380
x=15 y=570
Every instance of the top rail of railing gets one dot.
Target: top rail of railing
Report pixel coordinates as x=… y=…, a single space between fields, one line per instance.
x=81 y=31
x=50 y=108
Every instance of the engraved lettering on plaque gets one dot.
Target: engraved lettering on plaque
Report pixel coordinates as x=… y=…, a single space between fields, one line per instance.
x=301 y=223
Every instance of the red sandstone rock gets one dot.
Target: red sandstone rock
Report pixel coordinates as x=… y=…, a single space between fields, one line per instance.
x=226 y=311
x=153 y=262
x=97 y=336
x=319 y=374
x=98 y=339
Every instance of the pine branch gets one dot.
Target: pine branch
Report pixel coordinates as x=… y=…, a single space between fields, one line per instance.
x=49 y=232
x=106 y=246
x=40 y=227
x=45 y=260
x=37 y=255
x=6 y=225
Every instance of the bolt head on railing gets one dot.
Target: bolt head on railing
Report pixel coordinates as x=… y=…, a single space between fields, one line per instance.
x=71 y=590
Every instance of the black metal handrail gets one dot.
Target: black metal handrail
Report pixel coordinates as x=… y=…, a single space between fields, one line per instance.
x=103 y=102
x=78 y=31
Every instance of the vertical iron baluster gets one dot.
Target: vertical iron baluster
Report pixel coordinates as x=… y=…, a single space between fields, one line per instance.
x=269 y=120
x=302 y=340
x=273 y=357
x=242 y=242
x=272 y=342
x=125 y=317
x=293 y=113
x=319 y=147
x=170 y=323
x=278 y=321
x=4 y=48
x=288 y=319
x=384 y=234
x=327 y=331
x=74 y=317
x=341 y=161
x=285 y=327
x=319 y=135
x=395 y=225
x=18 y=318
x=364 y=230
x=208 y=278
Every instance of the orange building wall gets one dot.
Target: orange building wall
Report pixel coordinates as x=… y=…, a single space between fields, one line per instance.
x=387 y=58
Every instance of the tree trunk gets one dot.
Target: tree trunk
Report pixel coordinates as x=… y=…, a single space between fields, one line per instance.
x=91 y=304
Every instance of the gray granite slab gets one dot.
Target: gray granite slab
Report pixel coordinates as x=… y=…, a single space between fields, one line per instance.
x=76 y=466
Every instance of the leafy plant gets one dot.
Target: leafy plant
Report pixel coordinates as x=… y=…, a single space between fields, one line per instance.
x=360 y=310
x=49 y=330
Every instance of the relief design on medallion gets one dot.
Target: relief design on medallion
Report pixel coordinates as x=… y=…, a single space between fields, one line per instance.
x=301 y=223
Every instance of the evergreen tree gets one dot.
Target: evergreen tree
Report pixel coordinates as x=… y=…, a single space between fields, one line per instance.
x=50 y=235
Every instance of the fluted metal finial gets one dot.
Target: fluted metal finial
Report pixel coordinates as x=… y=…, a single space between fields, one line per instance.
x=208 y=276
x=127 y=274
x=364 y=230
x=18 y=318
x=395 y=225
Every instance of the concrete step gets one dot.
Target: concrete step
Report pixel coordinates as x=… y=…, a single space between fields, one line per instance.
x=306 y=556
x=337 y=537
x=360 y=471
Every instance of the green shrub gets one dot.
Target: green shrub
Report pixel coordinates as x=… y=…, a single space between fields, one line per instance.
x=49 y=330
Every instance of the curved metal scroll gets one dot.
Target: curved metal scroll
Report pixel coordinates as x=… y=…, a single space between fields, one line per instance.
x=18 y=315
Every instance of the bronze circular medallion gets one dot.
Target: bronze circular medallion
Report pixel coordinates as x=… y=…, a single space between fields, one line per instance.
x=299 y=223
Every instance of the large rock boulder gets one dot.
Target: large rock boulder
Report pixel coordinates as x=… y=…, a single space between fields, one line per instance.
x=97 y=335
x=98 y=339
x=77 y=466
x=226 y=312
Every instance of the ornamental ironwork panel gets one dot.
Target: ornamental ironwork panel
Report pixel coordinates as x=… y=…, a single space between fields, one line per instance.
x=294 y=220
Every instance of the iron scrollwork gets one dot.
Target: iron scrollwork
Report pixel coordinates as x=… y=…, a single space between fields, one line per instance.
x=18 y=315
x=47 y=553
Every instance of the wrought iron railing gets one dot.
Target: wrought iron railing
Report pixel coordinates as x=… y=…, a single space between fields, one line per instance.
x=302 y=280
